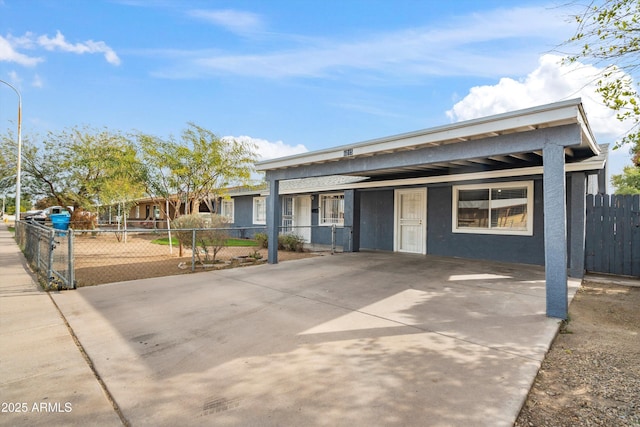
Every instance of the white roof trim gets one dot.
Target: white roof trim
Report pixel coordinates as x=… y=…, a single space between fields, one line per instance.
x=505 y=173
x=551 y=115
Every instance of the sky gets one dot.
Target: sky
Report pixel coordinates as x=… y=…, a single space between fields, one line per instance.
x=290 y=75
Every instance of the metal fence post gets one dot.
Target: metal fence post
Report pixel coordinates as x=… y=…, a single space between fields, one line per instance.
x=70 y=264
x=193 y=250
x=52 y=245
x=333 y=239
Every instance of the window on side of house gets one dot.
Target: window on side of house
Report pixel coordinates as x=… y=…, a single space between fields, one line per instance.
x=331 y=209
x=226 y=209
x=502 y=208
x=259 y=210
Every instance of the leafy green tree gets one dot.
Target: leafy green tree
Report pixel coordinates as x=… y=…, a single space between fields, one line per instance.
x=81 y=167
x=609 y=33
x=628 y=182
x=195 y=169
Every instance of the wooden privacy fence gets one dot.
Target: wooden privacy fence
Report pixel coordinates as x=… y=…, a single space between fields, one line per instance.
x=613 y=234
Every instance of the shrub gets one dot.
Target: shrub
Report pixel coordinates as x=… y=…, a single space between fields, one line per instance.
x=211 y=234
x=286 y=242
x=291 y=242
x=262 y=239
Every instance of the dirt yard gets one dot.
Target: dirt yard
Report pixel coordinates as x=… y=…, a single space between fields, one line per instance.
x=103 y=259
x=591 y=375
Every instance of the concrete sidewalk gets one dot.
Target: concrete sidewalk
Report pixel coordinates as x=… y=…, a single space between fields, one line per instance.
x=44 y=378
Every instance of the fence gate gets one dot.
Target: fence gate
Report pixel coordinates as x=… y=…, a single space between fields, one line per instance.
x=613 y=234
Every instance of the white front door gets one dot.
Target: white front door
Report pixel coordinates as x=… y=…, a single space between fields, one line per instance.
x=303 y=217
x=410 y=220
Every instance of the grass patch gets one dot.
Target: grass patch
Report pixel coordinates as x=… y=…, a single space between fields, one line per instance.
x=229 y=242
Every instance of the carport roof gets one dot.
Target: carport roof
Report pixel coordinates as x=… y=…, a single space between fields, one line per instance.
x=530 y=119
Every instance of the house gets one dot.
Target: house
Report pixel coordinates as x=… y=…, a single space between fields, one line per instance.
x=509 y=187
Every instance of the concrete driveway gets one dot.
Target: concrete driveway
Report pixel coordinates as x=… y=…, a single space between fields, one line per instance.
x=353 y=339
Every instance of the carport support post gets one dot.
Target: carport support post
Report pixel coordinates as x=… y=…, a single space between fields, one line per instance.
x=351 y=232
x=273 y=219
x=555 y=230
x=577 y=223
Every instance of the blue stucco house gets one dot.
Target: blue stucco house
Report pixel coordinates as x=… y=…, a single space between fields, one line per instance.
x=509 y=187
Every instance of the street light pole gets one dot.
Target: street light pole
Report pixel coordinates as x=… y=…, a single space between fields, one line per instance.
x=19 y=167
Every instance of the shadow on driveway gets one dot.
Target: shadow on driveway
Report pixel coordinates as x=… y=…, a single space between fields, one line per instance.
x=352 y=339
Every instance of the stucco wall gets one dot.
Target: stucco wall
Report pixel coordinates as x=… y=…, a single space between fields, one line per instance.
x=243 y=211
x=376 y=220
x=442 y=241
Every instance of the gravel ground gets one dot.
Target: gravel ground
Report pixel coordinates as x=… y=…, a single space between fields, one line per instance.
x=591 y=375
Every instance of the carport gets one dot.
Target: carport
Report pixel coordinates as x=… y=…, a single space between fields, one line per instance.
x=548 y=153
x=367 y=338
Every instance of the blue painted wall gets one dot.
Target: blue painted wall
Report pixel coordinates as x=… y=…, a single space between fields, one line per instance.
x=243 y=218
x=442 y=241
x=243 y=211
x=376 y=220
x=321 y=235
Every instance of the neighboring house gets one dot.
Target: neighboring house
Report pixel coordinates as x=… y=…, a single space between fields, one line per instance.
x=490 y=188
x=148 y=212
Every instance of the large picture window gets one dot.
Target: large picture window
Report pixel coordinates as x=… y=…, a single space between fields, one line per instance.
x=503 y=208
x=331 y=209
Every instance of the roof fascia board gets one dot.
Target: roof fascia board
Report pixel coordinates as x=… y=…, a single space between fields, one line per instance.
x=548 y=115
x=568 y=135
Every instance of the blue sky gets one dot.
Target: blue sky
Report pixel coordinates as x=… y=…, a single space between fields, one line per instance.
x=290 y=75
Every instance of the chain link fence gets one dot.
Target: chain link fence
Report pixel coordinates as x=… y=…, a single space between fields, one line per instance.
x=49 y=252
x=66 y=259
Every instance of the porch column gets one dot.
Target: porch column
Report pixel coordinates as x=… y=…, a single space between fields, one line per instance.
x=351 y=234
x=274 y=212
x=555 y=230
x=577 y=218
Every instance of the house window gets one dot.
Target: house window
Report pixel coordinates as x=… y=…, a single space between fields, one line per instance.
x=331 y=209
x=287 y=215
x=259 y=210
x=226 y=209
x=503 y=208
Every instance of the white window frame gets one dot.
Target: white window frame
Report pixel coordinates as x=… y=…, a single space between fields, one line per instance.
x=259 y=210
x=227 y=209
x=488 y=230
x=322 y=221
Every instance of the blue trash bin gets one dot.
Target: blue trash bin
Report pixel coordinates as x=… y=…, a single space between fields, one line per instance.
x=61 y=221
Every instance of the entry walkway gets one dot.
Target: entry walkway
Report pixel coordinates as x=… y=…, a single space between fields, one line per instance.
x=44 y=379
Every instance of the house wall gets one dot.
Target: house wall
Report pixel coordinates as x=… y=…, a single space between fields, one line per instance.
x=243 y=211
x=376 y=220
x=442 y=241
x=321 y=235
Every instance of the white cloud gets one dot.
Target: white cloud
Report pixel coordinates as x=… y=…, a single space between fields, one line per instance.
x=453 y=48
x=10 y=47
x=9 y=54
x=271 y=150
x=37 y=81
x=232 y=20
x=549 y=82
x=59 y=43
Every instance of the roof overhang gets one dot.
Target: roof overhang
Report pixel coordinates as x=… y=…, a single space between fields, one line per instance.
x=563 y=113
